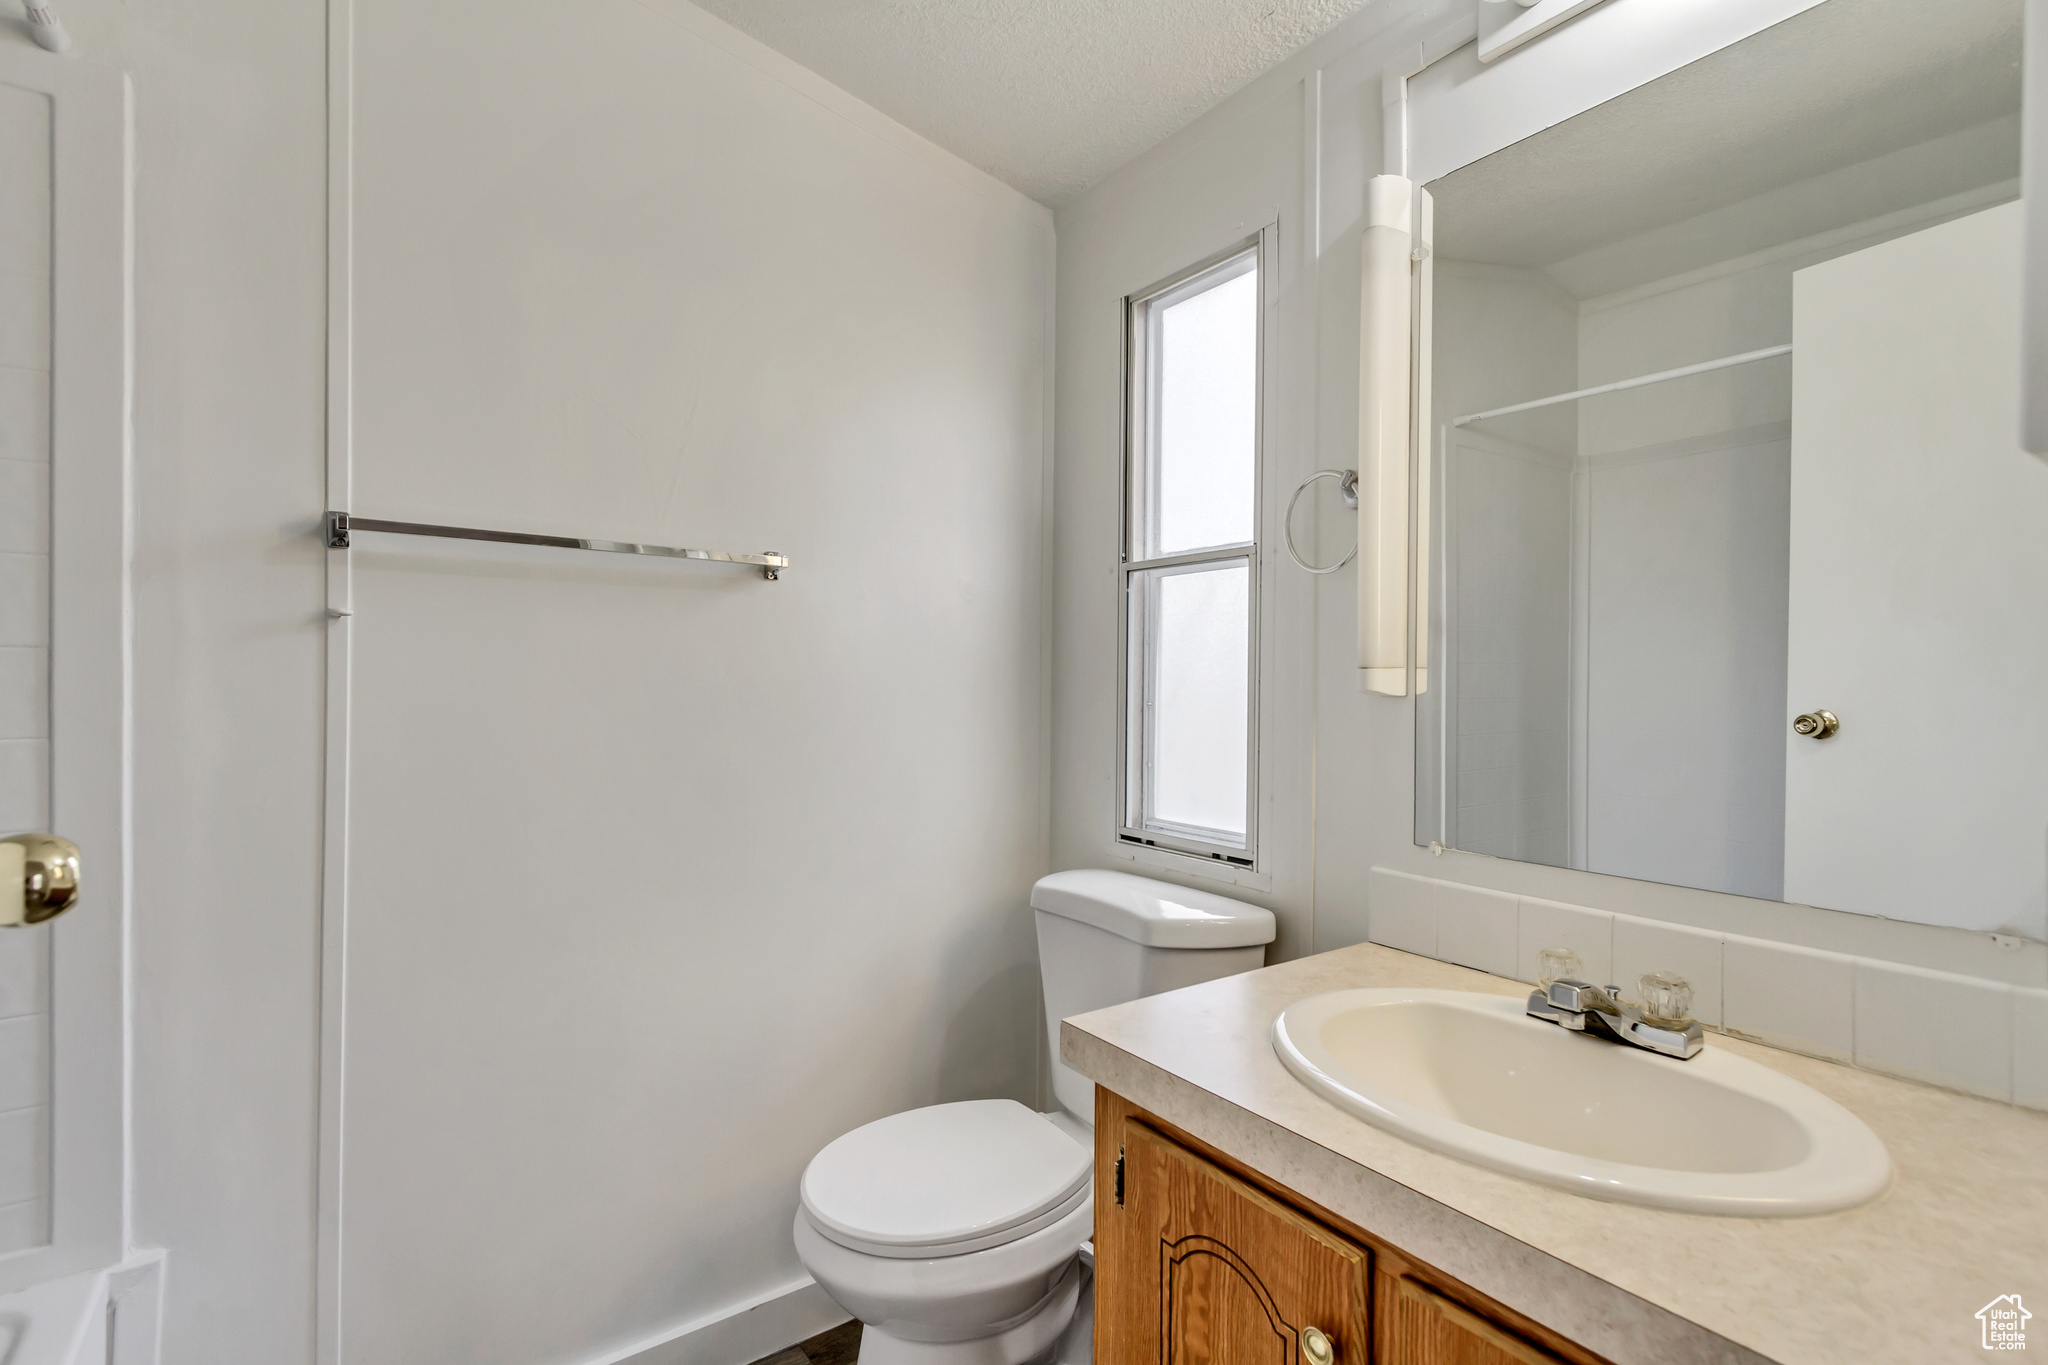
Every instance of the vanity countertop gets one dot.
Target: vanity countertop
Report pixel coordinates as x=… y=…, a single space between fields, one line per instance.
x=1898 y=1279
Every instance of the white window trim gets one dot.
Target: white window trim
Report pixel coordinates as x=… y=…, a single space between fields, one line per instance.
x=1199 y=857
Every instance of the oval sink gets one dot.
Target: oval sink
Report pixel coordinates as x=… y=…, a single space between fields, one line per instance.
x=1474 y=1077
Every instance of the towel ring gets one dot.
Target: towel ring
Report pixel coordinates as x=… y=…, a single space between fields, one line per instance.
x=1347 y=484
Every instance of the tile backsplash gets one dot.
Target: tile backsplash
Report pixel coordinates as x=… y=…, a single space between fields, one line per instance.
x=1797 y=998
x=1984 y=1037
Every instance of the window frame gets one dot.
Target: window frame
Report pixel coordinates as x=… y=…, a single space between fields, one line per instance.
x=1136 y=509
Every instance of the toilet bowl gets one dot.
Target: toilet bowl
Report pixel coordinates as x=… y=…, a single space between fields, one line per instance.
x=956 y=1232
x=970 y=1270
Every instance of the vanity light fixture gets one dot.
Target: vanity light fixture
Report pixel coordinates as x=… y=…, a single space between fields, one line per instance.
x=1393 y=467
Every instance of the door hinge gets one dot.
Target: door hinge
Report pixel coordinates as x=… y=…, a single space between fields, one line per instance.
x=1119 y=1177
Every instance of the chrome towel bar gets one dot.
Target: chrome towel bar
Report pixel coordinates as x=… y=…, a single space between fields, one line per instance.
x=341 y=524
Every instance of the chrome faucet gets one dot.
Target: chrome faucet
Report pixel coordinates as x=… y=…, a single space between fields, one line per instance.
x=1582 y=1007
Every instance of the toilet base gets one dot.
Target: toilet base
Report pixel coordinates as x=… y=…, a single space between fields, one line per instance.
x=1037 y=1338
x=1076 y=1345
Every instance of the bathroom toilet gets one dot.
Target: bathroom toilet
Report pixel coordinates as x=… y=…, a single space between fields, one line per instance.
x=956 y=1233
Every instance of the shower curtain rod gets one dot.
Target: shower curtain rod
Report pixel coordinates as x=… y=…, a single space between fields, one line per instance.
x=1767 y=353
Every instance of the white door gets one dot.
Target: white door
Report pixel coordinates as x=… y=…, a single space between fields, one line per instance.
x=1919 y=587
x=63 y=684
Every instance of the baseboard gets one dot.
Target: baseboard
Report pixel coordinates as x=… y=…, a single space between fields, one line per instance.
x=744 y=1332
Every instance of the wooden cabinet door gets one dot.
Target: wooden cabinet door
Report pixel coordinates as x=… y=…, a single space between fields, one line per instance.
x=1421 y=1327
x=1207 y=1270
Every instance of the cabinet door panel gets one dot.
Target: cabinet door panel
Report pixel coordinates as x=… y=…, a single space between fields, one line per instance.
x=1214 y=1272
x=1214 y=1306
x=1425 y=1328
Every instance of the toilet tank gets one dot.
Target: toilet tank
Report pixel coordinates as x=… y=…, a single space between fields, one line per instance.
x=1108 y=937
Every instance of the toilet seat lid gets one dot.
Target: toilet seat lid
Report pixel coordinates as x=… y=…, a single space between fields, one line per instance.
x=945 y=1179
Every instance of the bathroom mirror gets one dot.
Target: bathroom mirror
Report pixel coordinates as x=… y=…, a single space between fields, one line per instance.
x=1766 y=610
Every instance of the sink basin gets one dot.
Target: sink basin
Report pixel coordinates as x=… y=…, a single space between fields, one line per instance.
x=1474 y=1077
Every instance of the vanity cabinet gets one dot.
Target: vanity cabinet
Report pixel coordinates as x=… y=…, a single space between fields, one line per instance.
x=1235 y=1276
x=1201 y=1261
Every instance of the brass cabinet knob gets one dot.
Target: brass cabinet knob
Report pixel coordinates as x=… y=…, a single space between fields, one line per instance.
x=1816 y=724
x=38 y=878
x=1316 y=1347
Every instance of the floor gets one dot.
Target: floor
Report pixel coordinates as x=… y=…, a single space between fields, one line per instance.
x=839 y=1346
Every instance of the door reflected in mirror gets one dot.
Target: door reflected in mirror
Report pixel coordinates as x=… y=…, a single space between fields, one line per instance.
x=1766 y=612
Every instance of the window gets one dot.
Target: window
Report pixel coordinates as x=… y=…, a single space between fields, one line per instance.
x=1190 y=561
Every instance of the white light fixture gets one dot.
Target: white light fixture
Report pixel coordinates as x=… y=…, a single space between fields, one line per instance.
x=1384 y=379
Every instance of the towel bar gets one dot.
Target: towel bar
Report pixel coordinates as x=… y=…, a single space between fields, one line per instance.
x=341 y=524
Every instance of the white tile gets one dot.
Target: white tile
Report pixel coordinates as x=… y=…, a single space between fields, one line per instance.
x=2030 y=1048
x=24 y=1225
x=1553 y=924
x=24 y=974
x=1931 y=1026
x=1800 y=999
x=24 y=692
x=24 y=1155
x=24 y=1061
x=24 y=507
x=1642 y=946
x=24 y=783
x=1476 y=928
x=24 y=414
x=24 y=600
x=1401 y=911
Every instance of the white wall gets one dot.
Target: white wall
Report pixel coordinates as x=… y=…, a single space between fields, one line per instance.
x=1164 y=214
x=716 y=868
x=1351 y=758
x=636 y=938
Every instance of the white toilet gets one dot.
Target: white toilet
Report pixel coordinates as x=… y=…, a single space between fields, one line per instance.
x=954 y=1233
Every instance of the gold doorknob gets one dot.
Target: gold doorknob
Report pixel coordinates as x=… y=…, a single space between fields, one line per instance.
x=1316 y=1347
x=1816 y=724
x=38 y=878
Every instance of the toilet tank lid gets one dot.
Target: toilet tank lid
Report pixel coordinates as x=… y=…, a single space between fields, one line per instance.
x=1156 y=914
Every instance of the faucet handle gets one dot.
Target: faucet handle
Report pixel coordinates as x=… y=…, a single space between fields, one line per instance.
x=1667 y=999
x=1557 y=964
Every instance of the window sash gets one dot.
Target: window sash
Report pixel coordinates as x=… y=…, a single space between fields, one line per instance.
x=1144 y=634
x=1146 y=323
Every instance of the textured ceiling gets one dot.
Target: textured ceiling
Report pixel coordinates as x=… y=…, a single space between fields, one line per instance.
x=1048 y=95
